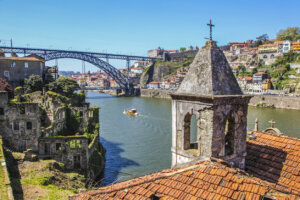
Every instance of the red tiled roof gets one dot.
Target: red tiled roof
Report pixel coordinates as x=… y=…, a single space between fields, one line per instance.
x=268 y=45
x=275 y=159
x=272 y=159
x=154 y=82
x=247 y=78
x=21 y=58
x=259 y=73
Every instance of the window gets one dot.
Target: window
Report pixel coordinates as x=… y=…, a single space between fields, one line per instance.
x=190 y=132
x=13 y=64
x=76 y=160
x=81 y=113
x=58 y=146
x=16 y=125
x=22 y=109
x=26 y=65
x=1 y=111
x=29 y=125
x=6 y=74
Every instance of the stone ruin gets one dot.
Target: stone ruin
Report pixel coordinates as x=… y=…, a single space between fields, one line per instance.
x=211 y=96
x=37 y=125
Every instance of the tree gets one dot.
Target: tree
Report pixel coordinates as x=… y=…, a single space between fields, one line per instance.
x=182 y=49
x=242 y=69
x=254 y=70
x=64 y=86
x=33 y=83
x=291 y=33
x=263 y=37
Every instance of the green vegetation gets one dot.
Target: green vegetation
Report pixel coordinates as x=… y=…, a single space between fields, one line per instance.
x=262 y=39
x=43 y=180
x=280 y=70
x=33 y=83
x=3 y=186
x=174 y=66
x=64 y=86
x=291 y=33
x=58 y=96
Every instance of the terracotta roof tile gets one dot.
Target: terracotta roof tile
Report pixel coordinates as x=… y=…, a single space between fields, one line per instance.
x=272 y=160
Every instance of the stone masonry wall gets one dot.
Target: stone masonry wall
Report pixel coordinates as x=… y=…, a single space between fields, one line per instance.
x=276 y=101
x=284 y=102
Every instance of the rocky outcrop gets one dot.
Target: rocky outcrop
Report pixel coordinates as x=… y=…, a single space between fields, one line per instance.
x=160 y=71
x=147 y=76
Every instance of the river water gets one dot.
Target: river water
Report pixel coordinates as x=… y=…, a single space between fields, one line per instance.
x=141 y=145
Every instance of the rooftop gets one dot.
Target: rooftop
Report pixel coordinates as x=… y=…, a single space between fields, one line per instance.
x=20 y=58
x=272 y=170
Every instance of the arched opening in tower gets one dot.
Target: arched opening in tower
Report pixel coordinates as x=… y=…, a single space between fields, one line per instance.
x=190 y=132
x=229 y=137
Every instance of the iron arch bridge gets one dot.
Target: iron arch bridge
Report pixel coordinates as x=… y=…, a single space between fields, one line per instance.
x=120 y=78
x=94 y=58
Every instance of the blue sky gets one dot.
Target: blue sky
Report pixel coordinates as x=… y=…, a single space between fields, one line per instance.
x=135 y=26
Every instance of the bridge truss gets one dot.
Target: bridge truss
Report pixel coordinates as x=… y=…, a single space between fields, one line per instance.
x=90 y=57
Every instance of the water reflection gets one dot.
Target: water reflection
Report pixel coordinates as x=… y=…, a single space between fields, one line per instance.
x=115 y=162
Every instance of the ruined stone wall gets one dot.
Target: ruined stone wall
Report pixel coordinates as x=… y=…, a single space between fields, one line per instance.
x=20 y=125
x=65 y=150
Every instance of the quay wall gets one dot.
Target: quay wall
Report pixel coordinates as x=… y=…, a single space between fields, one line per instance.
x=275 y=102
x=284 y=102
x=163 y=94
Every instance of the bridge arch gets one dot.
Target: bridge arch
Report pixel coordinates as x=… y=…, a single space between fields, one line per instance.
x=106 y=67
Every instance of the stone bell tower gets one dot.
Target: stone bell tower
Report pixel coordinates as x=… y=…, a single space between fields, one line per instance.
x=211 y=95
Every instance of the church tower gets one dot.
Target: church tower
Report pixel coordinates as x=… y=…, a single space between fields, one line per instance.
x=209 y=112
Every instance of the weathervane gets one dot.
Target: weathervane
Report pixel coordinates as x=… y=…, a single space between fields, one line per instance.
x=210 y=28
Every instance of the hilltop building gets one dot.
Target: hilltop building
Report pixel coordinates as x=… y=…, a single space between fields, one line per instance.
x=16 y=69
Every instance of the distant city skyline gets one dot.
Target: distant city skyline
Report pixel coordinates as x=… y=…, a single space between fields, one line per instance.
x=133 y=27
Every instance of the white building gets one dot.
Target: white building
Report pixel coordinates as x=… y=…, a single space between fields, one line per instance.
x=154 y=85
x=137 y=70
x=286 y=46
x=295 y=66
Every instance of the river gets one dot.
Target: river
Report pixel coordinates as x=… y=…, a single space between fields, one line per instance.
x=141 y=145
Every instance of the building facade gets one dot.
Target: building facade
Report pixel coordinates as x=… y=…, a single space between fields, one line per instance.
x=16 y=69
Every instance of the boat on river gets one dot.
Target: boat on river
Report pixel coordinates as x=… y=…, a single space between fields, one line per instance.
x=132 y=112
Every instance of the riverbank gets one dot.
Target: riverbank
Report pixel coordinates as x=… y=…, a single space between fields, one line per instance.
x=268 y=101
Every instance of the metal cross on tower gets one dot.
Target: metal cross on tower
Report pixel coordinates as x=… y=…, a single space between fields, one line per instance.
x=272 y=122
x=210 y=28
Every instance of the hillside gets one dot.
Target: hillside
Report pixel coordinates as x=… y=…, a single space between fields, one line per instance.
x=161 y=70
